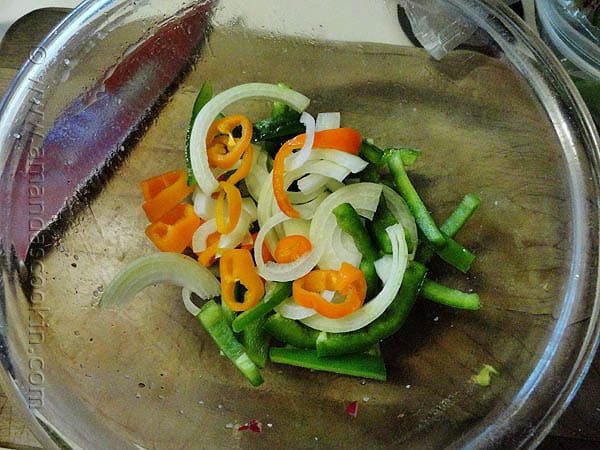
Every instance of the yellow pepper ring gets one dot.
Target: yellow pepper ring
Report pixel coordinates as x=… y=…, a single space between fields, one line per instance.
x=234 y=201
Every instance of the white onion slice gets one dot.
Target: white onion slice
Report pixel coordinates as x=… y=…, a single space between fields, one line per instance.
x=204 y=204
x=319 y=166
x=383 y=267
x=292 y=310
x=307 y=210
x=160 y=267
x=401 y=212
x=334 y=185
x=201 y=234
x=376 y=306
x=238 y=234
x=295 y=160
x=249 y=207
x=258 y=174
x=296 y=226
x=299 y=198
x=345 y=249
x=352 y=162
x=266 y=208
x=364 y=197
x=328 y=120
x=186 y=296
x=312 y=182
x=281 y=272
x=198 y=157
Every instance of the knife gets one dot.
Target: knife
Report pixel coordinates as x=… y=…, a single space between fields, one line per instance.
x=92 y=134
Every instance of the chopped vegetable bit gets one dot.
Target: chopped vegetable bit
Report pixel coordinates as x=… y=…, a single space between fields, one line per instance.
x=484 y=377
x=352 y=409
x=254 y=425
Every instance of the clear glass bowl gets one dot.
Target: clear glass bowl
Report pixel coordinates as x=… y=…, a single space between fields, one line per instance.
x=574 y=38
x=104 y=103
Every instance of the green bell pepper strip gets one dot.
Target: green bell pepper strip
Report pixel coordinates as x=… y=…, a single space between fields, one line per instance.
x=405 y=188
x=460 y=215
x=278 y=128
x=439 y=293
x=256 y=341
x=291 y=332
x=455 y=254
x=377 y=156
x=370 y=152
x=228 y=313
x=275 y=294
x=202 y=99
x=382 y=219
x=212 y=319
x=350 y=222
x=452 y=225
x=283 y=124
x=370 y=174
x=384 y=326
x=408 y=155
x=359 y=365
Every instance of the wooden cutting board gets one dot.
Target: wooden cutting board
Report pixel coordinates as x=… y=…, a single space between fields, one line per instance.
x=578 y=428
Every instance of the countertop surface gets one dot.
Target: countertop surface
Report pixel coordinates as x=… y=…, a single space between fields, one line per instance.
x=578 y=428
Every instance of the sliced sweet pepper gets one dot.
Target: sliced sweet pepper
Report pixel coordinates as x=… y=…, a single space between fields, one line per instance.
x=265 y=248
x=290 y=248
x=174 y=231
x=283 y=201
x=208 y=256
x=164 y=192
x=237 y=266
x=234 y=201
x=348 y=281
x=345 y=139
x=244 y=168
x=223 y=149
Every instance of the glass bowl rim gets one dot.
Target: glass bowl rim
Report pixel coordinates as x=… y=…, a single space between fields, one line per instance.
x=492 y=16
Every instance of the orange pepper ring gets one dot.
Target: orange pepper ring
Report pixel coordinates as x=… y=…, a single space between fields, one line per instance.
x=348 y=281
x=234 y=147
x=283 y=201
x=244 y=168
x=291 y=247
x=236 y=266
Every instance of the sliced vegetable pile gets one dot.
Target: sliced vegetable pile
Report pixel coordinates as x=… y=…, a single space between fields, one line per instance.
x=318 y=239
